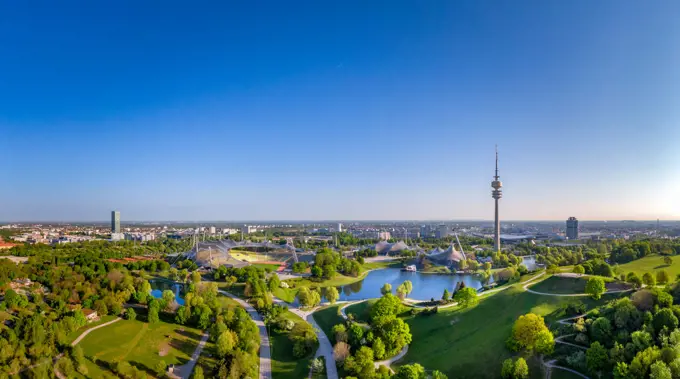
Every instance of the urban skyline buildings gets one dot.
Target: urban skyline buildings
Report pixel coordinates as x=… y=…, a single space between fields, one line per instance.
x=496 y=194
x=572 y=228
x=115 y=222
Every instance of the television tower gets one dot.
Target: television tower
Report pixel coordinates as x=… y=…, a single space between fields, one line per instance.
x=497 y=193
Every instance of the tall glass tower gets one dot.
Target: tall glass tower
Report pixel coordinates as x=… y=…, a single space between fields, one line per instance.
x=115 y=222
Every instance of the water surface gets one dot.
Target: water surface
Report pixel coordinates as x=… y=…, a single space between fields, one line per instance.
x=158 y=286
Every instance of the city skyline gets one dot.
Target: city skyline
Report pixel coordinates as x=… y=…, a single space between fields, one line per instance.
x=355 y=112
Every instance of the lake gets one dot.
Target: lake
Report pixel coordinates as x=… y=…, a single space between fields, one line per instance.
x=425 y=286
x=158 y=286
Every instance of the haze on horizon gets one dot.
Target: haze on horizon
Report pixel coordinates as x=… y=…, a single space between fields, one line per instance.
x=339 y=111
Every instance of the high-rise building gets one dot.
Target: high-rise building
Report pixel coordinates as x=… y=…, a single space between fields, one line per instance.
x=572 y=228
x=115 y=222
x=339 y=229
x=442 y=231
x=212 y=230
x=496 y=194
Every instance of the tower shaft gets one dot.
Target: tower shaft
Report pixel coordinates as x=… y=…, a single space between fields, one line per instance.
x=496 y=194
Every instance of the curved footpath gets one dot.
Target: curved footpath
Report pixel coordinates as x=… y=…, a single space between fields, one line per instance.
x=85 y=333
x=184 y=371
x=265 y=349
x=325 y=347
x=389 y=361
x=551 y=364
x=529 y=282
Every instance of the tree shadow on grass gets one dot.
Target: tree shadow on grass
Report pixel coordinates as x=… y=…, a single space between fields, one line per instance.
x=183 y=346
x=188 y=333
x=661 y=266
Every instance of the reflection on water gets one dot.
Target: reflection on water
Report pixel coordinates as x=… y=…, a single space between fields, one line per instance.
x=425 y=286
x=529 y=261
x=158 y=286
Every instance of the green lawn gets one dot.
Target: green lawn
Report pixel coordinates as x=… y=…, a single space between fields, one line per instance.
x=361 y=310
x=286 y=294
x=327 y=318
x=141 y=344
x=284 y=364
x=382 y=264
x=470 y=343
x=652 y=264
x=265 y=266
x=80 y=331
x=337 y=281
x=567 y=285
x=237 y=289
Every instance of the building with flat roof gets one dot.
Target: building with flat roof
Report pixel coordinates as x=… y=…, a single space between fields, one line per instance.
x=572 y=228
x=115 y=222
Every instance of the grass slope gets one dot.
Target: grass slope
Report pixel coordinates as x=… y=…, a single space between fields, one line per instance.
x=102 y=320
x=141 y=344
x=338 y=280
x=470 y=343
x=327 y=318
x=361 y=311
x=284 y=364
x=652 y=264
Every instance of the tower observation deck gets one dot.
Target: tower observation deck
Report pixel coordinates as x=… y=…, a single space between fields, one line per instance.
x=496 y=194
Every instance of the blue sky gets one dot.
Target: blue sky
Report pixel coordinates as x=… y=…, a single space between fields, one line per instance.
x=339 y=110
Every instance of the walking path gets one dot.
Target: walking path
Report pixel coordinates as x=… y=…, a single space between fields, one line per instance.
x=325 y=347
x=265 y=348
x=184 y=371
x=85 y=333
x=551 y=365
x=388 y=362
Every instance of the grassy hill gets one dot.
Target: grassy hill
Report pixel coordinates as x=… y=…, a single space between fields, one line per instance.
x=470 y=343
x=652 y=264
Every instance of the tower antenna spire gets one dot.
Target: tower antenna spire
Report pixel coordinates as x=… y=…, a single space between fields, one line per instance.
x=496 y=176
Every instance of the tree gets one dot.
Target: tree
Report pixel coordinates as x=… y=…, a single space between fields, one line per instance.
x=168 y=299
x=596 y=357
x=225 y=343
x=198 y=373
x=363 y=362
x=340 y=333
x=467 y=297
x=662 y=276
x=317 y=271
x=183 y=315
x=341 y=351
x=160 y=367
x=387 y=305
x=446 y=296
x=378 y=348
x=667 y=260
x=332 y=294
x=436 y=374
x=648 y=279
x=412 y=371
x=531 y=334
x=386 y=288
x=130 y=314
x=578 y=269
x=153 y=313
x=595 y=287
x=521 y=369
x=621 y=371
x=601 y=330
x=507 y=369
x=659 y=370
x=308 y=298
x=665 y=318
x=195 y=277
x=274 y=282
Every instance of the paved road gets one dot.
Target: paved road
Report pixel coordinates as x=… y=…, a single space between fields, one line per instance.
x=184 y=371
x=85 y=333
x=265 y=347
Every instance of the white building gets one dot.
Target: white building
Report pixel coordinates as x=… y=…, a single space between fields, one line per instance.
x=339 y=228
x=212 y=230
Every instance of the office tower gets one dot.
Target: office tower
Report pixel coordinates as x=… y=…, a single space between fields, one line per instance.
x=497 y=193
x=572 y=228
x=115 y=222
x=339 y=228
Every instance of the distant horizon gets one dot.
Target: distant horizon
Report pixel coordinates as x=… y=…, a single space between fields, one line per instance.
x=322 y=221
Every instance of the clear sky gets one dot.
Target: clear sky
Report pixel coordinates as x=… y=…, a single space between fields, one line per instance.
x=257 y=110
